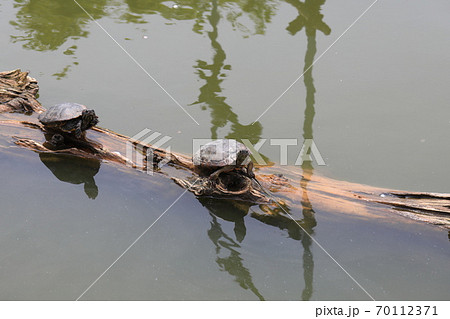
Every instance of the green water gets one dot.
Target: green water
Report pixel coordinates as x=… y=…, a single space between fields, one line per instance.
x=375 y=103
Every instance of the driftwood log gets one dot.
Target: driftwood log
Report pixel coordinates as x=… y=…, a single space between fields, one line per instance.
x=18 y=92
x=280 y=194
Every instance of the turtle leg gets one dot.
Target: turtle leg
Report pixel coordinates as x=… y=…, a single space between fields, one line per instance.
x=78 y=131
x=214 y=176
x=250 y=170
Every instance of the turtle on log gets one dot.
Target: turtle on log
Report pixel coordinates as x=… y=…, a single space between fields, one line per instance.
x=68 y=118
x=18 y=95
x=223 y=156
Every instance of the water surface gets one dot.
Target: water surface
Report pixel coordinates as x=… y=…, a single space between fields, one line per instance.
x=375 y=104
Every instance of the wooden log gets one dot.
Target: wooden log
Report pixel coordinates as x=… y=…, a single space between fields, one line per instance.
x=361 y=201
x=18 y=92
x=279 y=195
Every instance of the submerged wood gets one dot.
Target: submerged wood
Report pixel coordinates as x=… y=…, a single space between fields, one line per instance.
x=18 y=94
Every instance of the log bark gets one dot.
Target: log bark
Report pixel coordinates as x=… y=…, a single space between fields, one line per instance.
x=279 y=195
x=18 y=92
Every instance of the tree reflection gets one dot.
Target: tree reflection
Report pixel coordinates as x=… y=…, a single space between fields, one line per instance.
x=186 y=10
x=213 y=74
x=259 y=11
x=49 y=24
x=310 y=18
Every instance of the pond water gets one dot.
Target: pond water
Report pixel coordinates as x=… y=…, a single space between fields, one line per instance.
x=375 y=103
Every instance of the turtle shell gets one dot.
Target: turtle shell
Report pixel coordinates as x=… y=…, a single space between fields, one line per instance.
x=61 y=113
x=218 y=153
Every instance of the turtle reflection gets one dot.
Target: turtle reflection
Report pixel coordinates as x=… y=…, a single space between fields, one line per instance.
x=73 y=170
x=229 y=258
x=229 y=210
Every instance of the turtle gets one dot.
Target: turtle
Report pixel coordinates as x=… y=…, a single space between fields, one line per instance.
x=71 y=118
x=222 y=156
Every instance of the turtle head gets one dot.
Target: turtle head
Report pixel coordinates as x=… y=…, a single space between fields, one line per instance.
x=242 y=156
x=243 y=159
x=88 y=119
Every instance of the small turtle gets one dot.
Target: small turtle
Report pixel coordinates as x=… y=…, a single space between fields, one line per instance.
x=70 y=118
x=221 y=156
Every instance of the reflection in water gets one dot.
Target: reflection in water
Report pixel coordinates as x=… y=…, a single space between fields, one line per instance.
x=49 y=24
x=309 y=16
x=209 y=97
x=278 y=216
x=260 y=12
x=73 y=170
x=186 y=10
x=227 y=249
x=229 y=210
